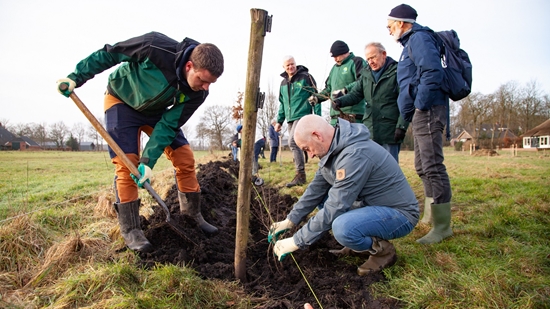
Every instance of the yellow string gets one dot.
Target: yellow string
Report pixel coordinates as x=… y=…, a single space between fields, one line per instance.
x=295 y=262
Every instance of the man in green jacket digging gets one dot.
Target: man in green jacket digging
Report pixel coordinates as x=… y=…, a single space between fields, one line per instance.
x=157 y=87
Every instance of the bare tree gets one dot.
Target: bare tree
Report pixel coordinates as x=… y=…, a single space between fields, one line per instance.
x=4 y=122
x=531 y=107
x=201 y=134
x=217 y=121
x=473 y=112
x=40 y=133
x=79 y=131
x=21 y=129
x=268 y=112
x=94 y=135
x=58 y=132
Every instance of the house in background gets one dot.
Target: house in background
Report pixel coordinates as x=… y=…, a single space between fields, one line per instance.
x=538 y=137
x=10 y=141
x=87 y=146
x=502 y=137
x=5 y=137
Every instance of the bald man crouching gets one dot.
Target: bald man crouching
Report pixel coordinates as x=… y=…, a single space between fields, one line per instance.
x=352 y=168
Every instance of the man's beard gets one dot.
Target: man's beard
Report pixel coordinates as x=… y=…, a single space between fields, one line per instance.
x=397 y=35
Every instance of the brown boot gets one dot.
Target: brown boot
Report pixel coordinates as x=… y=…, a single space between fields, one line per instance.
x=128 y=220
x=382 y=256
x=348 y=252
x=298 y=180
x=190 y=204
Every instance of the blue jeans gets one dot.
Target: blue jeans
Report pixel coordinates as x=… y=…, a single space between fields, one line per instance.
x=355 y=228
x=235 y=152
x=393 y=149
x=428 y=152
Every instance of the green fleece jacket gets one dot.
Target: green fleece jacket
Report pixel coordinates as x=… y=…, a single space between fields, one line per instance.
x=381 y=113
x=293 y=96
x=148 y=81
x=340 y=77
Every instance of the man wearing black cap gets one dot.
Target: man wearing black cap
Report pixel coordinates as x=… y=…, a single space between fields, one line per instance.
x=341 y=79
x=420 y=75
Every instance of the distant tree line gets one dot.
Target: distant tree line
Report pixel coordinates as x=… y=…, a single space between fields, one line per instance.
x=58 y=133
x=512 y=106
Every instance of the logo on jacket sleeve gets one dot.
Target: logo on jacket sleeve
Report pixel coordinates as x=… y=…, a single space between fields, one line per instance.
x=340 y=174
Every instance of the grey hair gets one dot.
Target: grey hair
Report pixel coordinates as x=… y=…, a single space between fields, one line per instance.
x=378 y=46
x=288 y=57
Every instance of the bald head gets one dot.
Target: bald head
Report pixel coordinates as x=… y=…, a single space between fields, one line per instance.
x=313 y=134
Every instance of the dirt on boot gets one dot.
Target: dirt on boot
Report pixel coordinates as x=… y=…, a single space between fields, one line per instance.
x=275 y=285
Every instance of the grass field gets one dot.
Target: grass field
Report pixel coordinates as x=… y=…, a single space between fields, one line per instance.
x=499 y=256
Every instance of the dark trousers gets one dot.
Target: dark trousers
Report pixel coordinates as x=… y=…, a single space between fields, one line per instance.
x=428 y=127
x=273 y=155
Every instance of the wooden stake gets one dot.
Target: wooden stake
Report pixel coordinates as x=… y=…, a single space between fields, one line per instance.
x=258 y=24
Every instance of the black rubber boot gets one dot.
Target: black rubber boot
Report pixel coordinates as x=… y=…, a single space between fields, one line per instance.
x=190 y=204
x=128 y=219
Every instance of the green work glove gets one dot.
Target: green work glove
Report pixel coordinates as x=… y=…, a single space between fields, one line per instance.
x=277 y=229
x=145 y=172
x=70 y=84
x=283 y=247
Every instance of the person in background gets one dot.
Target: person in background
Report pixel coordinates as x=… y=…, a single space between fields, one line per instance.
x=352 y=168
x=423 y=102
x=158 y=86
x=296 y=87
x=273 y=141
x=341 y=79
x=377 y=86
x=236 y=143
x=258 y=146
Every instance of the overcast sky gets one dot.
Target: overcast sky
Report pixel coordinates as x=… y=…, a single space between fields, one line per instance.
x=42 y=41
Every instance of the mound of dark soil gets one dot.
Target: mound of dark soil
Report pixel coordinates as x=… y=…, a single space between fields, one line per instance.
x=278 y=284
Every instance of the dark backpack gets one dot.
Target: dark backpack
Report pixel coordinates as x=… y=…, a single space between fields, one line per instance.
x=457 y=81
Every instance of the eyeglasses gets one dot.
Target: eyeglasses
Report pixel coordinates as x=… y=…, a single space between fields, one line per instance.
x=389 y=26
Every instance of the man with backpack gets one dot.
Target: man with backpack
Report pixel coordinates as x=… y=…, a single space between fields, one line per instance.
x=424 y=103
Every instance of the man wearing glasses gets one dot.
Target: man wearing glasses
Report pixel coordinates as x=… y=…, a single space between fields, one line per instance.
x=422 y=102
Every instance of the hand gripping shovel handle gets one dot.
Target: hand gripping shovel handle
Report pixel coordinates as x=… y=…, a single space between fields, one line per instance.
x=114 y=146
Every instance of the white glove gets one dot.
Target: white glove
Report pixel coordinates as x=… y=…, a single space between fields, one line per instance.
x=278 y=228
x=338 y=93
x=69 y=82
x=313 y=100
x=284 y=247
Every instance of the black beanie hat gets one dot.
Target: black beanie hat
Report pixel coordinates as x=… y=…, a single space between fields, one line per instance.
x=338 y=48
x=403 y=12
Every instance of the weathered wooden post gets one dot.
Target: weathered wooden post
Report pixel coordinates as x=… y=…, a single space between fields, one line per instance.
x=253 y=99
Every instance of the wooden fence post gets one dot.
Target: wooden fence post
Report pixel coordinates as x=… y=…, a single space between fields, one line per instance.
x=260 y=24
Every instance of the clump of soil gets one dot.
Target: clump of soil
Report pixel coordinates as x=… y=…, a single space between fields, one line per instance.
x=485 y=153
x=275 y=284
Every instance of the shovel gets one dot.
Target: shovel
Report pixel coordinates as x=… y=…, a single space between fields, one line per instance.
x=114 y=146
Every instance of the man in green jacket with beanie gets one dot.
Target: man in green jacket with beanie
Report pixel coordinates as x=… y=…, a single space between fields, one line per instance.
x=377 y=85
x=297 y=85
x=341 y=79
x=157 y=87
